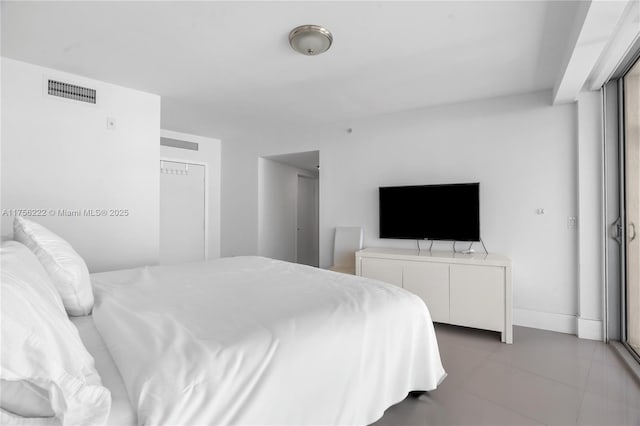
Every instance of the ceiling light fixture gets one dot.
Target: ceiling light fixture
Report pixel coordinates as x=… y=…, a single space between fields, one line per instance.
x=310 y=40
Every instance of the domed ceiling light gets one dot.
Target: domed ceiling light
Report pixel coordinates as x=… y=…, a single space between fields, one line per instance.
x=310 y=40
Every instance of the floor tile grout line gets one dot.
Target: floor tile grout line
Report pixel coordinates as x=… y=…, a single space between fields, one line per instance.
x=510 y=364
x=539 y=375
x=459 y=388
x=504 y=406
x=579 y=388
x=463 y=389
x=581 y=398
x=472 y=371
x=584 y=391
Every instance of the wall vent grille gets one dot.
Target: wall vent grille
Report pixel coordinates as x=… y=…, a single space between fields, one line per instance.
x=71 y=91
x=174 y=143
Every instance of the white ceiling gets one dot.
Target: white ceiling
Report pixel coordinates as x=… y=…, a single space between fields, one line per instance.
x=229 y=63
x=309 y=160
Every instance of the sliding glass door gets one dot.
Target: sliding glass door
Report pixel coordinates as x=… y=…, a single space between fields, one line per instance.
x=631 y=130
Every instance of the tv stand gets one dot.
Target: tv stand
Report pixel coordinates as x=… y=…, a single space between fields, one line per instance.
x=471 y=290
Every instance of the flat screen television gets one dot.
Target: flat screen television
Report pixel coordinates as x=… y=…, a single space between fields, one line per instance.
x=431 y=212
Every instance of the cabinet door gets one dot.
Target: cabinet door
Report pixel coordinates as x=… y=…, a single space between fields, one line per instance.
x=477 y=296
x=430 y=281
x=389 y=271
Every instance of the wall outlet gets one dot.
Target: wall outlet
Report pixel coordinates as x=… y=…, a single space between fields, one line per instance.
x=572 y=222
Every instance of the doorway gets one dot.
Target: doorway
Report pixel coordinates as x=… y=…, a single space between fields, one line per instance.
x=183 y=212
x=288 y=207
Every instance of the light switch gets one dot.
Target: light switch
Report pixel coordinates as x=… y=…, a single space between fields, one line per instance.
x=572 y=222
x=111 y=123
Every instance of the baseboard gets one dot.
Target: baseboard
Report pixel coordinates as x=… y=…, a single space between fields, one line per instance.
x=546 y=321
x=590 y=329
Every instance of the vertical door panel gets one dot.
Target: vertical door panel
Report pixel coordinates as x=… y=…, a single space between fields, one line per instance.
x=430 y=281
x=632 y=203
x=182 y=212
x=477 y=296
x=389 y=271
x=307 y=228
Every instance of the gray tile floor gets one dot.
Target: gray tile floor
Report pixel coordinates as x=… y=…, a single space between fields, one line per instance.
x=543 y=378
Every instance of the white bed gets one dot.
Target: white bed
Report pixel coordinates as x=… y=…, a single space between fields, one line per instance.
x=250 y=340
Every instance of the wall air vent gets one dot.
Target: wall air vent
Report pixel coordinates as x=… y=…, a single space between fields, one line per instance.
x=174 y=143
x=71 y=91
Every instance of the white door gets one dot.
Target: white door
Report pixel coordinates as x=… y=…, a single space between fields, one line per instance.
x=307 y=221
x=182 y=212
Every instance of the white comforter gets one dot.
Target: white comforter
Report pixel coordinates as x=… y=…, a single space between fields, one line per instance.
x=250 y=340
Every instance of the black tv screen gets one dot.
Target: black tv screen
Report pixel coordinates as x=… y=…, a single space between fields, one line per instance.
x=431 y=212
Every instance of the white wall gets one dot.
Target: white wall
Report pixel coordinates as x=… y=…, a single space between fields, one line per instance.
x=522 y=150
x=277 y=209
x=208 y=153
x=59 y=154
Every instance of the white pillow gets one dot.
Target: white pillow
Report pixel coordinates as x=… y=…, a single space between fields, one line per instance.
x=21 y=264
x=25 y=399
x=66 y=268
x=41 y=351
x=21 y=397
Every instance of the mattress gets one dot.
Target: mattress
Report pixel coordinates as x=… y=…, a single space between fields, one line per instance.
x=122 y=412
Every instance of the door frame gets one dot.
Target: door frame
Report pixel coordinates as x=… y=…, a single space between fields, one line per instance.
x=612 y=212
x=206 y=195
x=622 y=182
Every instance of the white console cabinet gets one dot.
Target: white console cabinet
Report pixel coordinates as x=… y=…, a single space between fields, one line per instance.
x=472 y=290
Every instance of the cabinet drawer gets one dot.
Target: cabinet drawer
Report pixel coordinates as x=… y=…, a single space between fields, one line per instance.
x=430 y=281
x=389 y=271
x=477 y=296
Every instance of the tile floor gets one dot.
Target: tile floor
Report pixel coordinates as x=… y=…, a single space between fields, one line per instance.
x=544 y=378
